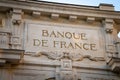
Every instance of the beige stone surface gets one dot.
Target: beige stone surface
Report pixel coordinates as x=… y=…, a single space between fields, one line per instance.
x=51 y=41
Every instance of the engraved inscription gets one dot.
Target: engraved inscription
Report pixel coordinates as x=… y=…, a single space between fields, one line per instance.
x=64 y=39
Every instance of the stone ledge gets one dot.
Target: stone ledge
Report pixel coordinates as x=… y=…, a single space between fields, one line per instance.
x=58 y=8
x=12 y=56
x=108 y=7
x=114 y=63
x=5 y=31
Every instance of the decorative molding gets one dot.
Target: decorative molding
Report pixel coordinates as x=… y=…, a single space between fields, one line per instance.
x=117 y=44
x=16 y=14
x=50 y=55
x=28 y=76
x=12 y=56
x=110 y=21
x=54 y=16
x=117 y=41
x=4 y=39
x=66 y=64
x=114 y=64
x=36 y=13
x=67 y=75
x=109 y=30
x=67 y=55
x=72 y=18
x=95 y=78
x=111 y=50
x=15 y=42
x=62 y=9
x=109 y=25
x=90 y=19
x=16 y=22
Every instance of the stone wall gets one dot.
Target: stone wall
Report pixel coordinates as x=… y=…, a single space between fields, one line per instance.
x=52 y=41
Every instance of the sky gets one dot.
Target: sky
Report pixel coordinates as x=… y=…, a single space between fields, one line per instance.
x=116 y=3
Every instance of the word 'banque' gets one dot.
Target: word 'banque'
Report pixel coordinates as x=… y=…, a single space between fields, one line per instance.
x=68 y=35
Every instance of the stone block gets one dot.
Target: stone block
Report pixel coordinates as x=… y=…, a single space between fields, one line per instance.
x=11 y=55
x=114 y=64
x=109 y=7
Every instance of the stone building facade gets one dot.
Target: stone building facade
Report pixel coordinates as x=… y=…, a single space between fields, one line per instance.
x=53 y=41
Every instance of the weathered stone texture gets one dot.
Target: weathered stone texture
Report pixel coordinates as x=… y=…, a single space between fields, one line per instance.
x=53 y=41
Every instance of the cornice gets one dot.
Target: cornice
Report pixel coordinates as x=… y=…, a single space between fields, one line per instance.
x=60 y=8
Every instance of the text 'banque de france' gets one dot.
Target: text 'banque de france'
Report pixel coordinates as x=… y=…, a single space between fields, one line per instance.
x=62 y=39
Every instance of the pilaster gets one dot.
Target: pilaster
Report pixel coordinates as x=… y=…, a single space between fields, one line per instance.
x=16 y=20
x=109 y=44
x=4 y=39
x=117 y=43
x=66 y=71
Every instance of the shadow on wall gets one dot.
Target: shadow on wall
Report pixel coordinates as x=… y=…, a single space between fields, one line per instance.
x=53 y=78
x=119 y=35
